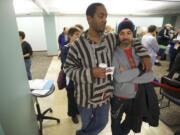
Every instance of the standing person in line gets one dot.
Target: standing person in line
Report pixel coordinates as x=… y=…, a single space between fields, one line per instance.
x=93 y=88
x=174 y=43
x=63 y=38
x=73 y=34
x=80 y=27
x=163 y=40
x=27 y=53
x=128 y=73
x=176 y=66
x=150 y=42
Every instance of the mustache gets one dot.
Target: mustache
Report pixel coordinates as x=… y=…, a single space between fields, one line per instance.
x=125 y=40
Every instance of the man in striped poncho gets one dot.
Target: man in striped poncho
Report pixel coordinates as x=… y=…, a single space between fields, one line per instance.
x=93 y=88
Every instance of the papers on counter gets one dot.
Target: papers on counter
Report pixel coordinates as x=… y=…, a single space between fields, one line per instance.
x=37 y=84
x=39 y=92
x=40 y=86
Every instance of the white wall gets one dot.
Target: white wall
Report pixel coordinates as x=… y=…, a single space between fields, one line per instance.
x=68 y=21
x=34 y=30
x=138 y=21
x=35 y=33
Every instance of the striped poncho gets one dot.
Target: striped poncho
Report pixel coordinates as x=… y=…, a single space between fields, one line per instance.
x=82 y=57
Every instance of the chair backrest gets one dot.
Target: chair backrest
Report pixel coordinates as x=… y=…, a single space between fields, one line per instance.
x=174 y=85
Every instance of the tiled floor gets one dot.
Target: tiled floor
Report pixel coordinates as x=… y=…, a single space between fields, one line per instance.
x=58 y=102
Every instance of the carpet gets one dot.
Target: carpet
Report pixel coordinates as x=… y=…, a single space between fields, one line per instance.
x=170 y=115
x=40 y=64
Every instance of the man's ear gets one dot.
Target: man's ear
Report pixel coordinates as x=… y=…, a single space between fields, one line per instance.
x=89 y=19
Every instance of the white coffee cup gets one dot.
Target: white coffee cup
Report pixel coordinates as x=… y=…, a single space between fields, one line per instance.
x=103 y=65
x=111 y=72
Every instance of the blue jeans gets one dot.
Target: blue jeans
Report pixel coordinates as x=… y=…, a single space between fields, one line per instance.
x=94 y=120
x=28 y=68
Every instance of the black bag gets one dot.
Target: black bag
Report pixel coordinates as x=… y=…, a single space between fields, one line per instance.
x=61 y=80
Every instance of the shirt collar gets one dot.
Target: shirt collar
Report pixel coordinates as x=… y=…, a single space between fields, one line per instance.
x=84 y=34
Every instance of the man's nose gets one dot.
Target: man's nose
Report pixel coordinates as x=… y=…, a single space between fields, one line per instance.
x=125 y=36
x=104 y=19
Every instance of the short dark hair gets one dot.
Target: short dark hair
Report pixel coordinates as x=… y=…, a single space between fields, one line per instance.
x=22 y=34
x=91 y=10
x=72 y=30
x=152 y=28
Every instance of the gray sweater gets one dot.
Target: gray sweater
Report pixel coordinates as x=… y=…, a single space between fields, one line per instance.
x=125 y=82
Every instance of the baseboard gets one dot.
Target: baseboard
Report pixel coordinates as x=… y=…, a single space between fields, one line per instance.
x=52 y=55
x=40 y=51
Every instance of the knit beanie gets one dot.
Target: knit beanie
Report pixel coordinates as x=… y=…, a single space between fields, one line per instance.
x=126 y=24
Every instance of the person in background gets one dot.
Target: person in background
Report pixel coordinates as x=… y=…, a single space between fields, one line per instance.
x=178 y=34
x=108 y=29
x=93 y=88
x=73 y=34
x=63 y=38
x=141 y=31
x=27 y=53
x=150 y=42
x=80 y=27
x=174 y=43
x=176 y=66
x=163 y=40
x=128 y=73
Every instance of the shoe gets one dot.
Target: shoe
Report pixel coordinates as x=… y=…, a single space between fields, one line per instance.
x=157 y=64
x=75 y=120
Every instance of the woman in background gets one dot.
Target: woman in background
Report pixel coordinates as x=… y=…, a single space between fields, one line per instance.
x=73 y=34
x=27 y=53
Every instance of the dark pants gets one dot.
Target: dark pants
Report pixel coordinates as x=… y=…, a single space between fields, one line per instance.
x=72 y=106
x=176 y=67
x=162 y=54
x=172 y=56
x=28 y=68
x=118 y=107
x=94 y=120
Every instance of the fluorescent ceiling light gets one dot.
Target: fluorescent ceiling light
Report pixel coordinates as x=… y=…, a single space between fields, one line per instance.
x=113 y=6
